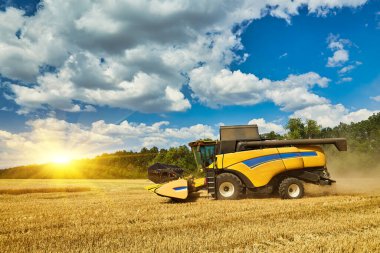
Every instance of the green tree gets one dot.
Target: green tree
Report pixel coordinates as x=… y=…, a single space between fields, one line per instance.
x=296 y=129
x=180 y=156
x=153 y=150
x=312 y=129
x=272 y=136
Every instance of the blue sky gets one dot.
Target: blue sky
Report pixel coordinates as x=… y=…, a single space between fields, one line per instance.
x=179 y=69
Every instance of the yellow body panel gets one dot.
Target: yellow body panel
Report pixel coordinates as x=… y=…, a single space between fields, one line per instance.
x=261 y=165
x=199 y=182
x=314 y=161
x=175 y=189
x=292 y=163
x=262 y=174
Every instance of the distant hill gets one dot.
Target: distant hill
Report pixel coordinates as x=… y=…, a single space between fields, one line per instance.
x=361 y=159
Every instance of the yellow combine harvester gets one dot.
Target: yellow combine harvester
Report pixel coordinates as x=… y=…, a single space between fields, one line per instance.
x=242 y=161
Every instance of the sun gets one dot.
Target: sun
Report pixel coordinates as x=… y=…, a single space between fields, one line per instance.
x=61 y=159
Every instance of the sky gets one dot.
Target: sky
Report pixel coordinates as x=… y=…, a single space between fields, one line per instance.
x=80 y=78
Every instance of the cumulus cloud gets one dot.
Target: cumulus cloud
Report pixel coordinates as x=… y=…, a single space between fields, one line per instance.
x=376 y=98
x=128 y=54
x=228 y=87
x=267 y=127
x=329 y=115
x=50 y=138
x=340 y=54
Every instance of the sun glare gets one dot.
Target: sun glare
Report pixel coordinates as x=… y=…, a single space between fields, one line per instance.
x=61 y=159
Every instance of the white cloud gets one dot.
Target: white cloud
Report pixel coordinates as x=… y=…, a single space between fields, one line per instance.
x=322 y=6
x=148 y=93
x=89 y=108
x=345 y=80
x=283 y=55
x=102 y=50
x=50 y=138
x=340 y=54
x=267 y=127
x=236 y=88
x=339 y=57
x=348 y=68
x=5 y=109
x=329 y=115
x=376 y=98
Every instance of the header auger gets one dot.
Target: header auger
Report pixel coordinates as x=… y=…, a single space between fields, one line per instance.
x=242 y=161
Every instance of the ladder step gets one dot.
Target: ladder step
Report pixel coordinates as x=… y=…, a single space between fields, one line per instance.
x=211 y=182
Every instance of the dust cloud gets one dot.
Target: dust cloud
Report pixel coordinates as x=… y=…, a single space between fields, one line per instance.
x=346 y=186
x=355 y=173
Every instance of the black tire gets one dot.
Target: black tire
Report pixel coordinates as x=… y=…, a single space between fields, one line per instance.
x=229 y=186
x=291 y=188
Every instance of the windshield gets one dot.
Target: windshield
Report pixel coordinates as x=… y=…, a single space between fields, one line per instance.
x=207 y=154
x=204 y=155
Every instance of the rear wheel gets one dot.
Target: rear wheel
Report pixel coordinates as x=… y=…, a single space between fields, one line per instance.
x=291 y=188
x=229 y=186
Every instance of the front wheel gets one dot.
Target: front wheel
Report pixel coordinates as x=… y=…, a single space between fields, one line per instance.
x=291 y=188
x=229 y=186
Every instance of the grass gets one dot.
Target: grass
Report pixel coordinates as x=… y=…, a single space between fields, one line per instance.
x=120 y=216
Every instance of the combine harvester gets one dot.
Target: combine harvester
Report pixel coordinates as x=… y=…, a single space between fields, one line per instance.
x=242 y=161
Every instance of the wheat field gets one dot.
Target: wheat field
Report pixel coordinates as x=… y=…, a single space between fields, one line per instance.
x=120 y=216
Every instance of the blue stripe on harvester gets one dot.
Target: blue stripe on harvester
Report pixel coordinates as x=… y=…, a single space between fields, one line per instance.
x=268 y=158
x=290 y=155
x=262 y=159
x=181 y=188
x=309 y=153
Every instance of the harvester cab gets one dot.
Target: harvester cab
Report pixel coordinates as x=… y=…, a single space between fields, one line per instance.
x=204 y=153
x=242 y=161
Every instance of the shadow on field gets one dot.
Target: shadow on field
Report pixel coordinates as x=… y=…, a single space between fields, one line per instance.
x=43 y=190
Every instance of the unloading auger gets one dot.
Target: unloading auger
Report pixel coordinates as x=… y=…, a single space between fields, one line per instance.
x=242 y=161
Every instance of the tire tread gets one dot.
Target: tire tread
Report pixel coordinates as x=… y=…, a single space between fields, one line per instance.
x=284 y=184
x=224 y=177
